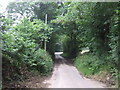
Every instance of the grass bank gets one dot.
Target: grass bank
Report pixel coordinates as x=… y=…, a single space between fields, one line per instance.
x=91 y=66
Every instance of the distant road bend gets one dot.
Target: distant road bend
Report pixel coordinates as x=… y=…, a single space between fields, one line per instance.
x=67 y=76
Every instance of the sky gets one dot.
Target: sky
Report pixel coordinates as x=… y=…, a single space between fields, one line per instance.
x=3 y=5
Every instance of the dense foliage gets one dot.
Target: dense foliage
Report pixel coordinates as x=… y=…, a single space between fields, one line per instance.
x=93 y=26
x=22 y=42
x=63 y=26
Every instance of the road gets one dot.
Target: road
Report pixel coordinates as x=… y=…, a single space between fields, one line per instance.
x=67 y=76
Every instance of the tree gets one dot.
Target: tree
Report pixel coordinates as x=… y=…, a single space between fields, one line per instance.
x=74 y=19
x=23 y=9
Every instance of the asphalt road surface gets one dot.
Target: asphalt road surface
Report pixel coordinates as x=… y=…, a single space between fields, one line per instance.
x=67 y=76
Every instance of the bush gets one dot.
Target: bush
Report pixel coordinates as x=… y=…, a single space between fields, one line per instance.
x=22 y=44
x=41 y=61
x=88 y=64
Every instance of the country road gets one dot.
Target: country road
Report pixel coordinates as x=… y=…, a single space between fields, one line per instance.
x=67 y=76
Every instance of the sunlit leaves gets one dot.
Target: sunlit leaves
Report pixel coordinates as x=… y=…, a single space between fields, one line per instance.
x=35 y=29
x=22 y=8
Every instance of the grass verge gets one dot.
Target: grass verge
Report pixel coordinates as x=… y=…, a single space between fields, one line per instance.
x=92 y=67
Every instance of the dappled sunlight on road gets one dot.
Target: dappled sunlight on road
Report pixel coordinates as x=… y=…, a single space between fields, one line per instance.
x=59 y=53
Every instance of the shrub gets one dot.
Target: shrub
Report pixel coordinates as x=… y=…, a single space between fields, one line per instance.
x=88 y=64
x=41 y=61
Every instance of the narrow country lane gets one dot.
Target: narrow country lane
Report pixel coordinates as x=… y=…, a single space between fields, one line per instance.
x=67 y=76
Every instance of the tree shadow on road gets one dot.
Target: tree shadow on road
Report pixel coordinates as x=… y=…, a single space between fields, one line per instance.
x=61 y=60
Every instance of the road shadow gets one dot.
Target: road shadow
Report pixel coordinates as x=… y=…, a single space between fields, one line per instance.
x=61 y=60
